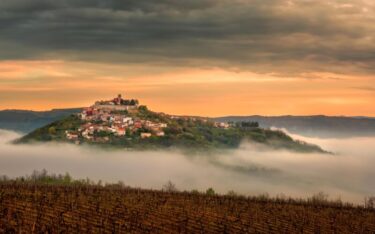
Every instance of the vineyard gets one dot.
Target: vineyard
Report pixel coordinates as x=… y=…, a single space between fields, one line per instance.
x=31 y=208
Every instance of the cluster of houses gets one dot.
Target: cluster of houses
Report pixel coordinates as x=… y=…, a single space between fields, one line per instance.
x=112 y=118
x=118 y=117
x=224 y=125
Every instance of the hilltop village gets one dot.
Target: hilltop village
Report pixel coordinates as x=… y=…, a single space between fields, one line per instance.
x=114 y=117
x=120 y=117
x=126 y=124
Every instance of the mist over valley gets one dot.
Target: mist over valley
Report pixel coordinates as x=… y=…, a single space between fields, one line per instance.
x=252 y=169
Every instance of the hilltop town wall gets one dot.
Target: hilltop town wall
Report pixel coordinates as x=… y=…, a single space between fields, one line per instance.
x=115 y=107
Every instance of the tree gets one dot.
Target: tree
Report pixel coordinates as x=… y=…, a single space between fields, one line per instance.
x=128 y=132
x=121 y=184
x=169 y=187
x=52 y=130
x=210 y=192
x=67 y=178
x=173 y=129
x=102 y=133
x=249 y=124
x=143 y=108
x=320 y=198
x=370 y=202
x=133 y=102
x=232 y=193
x=194 y=191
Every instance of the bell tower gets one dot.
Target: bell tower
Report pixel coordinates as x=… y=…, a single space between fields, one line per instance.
x=119 y=98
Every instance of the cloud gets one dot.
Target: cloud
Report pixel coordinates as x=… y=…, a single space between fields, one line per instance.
x=278 y=36
x=250 y=170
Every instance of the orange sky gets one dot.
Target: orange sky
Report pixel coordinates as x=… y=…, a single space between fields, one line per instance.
x=43 y=85
x=206 y=57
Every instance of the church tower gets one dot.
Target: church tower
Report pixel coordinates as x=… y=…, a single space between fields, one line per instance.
x=118 y=99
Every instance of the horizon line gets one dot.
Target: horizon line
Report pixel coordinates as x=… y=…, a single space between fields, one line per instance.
x=213 y=117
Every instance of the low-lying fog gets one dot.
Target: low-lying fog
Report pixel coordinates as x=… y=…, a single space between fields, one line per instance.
x=250 y=170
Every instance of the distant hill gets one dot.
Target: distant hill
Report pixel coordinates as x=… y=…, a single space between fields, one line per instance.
x=25 y=121
x=314 y=126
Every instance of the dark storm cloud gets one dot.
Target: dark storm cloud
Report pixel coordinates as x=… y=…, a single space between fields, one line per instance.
x=262 y=35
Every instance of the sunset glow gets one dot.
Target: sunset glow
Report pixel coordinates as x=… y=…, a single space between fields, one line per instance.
x=260 y=57
x=43 y=85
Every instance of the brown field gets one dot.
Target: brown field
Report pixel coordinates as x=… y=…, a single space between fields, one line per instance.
x=27 y=208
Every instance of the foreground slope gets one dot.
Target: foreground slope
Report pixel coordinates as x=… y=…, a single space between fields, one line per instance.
x=27 y=208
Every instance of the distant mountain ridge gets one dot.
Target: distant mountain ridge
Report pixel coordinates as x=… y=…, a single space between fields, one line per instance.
x=314 y=126
x=25 y=121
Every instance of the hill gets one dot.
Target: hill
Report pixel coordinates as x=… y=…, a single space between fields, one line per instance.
x=182 y=133
x=314 y=126
x=30 y=207
x=140 y=128
x=26 y=121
